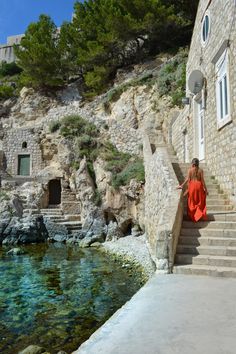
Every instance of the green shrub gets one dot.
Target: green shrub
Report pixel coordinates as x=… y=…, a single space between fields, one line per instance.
x=97 y=198
x=9 y=69
x=6 y=91
x=74 y=125
x=54 y=126
x=75 y=165
x=172 y=78
x=133 y=170
x=4 y=196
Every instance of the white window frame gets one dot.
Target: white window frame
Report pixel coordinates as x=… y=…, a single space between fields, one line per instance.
x=223 y=90
x=204 y=42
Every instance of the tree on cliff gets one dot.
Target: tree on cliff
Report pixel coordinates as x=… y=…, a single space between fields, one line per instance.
x=39 y=55
x=105 y=35
x=110 y=34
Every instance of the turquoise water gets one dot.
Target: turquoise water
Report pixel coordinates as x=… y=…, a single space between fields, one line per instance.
x=55 y=296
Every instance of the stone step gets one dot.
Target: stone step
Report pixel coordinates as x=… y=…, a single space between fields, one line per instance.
x=29 y=215
x=218 y=216
x=215 y=202
x=214 y=189
x=187 y=232
x=226 y=272
x=207 y=241
x=207 y=250
x=55 y=218
x=71 y=223
x=222 y=208
x=209 y=225
x=217 y=261
x=209 y=180
x=51 y=211
x=72 y=217
x=217 y=196
x=30 y=211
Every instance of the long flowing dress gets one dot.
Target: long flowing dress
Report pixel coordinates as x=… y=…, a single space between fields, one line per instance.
x=196 y=200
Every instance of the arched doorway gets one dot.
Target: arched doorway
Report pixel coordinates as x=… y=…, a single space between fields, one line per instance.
x=54 y=187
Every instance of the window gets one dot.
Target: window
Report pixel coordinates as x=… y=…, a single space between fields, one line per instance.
x=205 y=29
x=24 y=145
x=222 y=91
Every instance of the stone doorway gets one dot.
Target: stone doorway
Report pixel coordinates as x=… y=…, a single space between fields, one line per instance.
x=54 y=188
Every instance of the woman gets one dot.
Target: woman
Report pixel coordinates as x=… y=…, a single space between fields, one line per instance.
x=196 y=191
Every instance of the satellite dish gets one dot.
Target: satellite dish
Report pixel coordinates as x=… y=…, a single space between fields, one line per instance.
x=195 y=81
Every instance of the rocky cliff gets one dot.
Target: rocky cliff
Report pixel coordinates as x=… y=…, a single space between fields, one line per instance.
x=121 y=115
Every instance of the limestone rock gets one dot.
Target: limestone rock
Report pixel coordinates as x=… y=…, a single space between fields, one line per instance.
x=113 y=231
x=86 y=242
x=15 y=251
x=33 y=349
x=25 y=230
x=56 y=232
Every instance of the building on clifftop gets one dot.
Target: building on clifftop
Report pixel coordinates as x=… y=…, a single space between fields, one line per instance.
x=7 y=50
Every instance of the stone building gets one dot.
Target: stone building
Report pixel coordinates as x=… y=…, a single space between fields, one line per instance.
x=22 y=153
x=7 y=51
x=206 y=128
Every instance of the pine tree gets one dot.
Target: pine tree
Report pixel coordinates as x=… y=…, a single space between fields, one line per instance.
x=39 y=55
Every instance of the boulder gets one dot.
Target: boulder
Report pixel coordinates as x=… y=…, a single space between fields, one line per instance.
x=26 y=230
x=56 y=232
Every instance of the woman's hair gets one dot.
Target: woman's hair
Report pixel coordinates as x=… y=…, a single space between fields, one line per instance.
x=195 y=162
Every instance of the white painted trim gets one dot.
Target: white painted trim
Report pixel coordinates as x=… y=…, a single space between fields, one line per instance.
x=204 y=43
x=220 y=73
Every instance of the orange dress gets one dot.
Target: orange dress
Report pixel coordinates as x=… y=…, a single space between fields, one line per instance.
x=196 y=200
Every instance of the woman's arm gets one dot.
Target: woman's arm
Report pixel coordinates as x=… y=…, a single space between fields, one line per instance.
x=203 y=182
x=185 y=181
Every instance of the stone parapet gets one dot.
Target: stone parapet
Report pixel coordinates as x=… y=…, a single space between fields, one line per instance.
x=163 y=205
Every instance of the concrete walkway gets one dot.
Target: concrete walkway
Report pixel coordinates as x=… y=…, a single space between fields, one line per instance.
x=172 y=314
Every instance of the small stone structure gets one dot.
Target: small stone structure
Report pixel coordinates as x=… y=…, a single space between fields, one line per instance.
x=207 y=127
x=22 y=152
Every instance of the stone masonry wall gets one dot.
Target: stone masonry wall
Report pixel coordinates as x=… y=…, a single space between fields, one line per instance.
x=181 y=129
x=12 y=147
x=220 y=144
x=163 y=206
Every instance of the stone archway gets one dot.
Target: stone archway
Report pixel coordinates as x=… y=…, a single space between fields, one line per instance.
x=54 y=188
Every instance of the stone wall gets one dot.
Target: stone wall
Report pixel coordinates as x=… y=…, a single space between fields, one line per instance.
x=181 y=132
x=163 y=206
x=220 y=143
x=13 y=147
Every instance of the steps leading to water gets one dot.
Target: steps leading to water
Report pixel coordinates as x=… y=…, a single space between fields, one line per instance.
x=71 y=222
x=207 y=247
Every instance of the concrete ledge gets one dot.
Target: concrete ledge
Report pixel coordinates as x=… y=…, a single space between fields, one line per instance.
x=171 y=314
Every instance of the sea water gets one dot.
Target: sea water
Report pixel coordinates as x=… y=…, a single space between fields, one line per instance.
x=56 y=296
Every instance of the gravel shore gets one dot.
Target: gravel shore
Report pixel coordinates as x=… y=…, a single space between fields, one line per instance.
x=134 y=249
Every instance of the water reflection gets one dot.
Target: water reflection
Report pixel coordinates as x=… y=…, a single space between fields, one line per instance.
x=56 y=296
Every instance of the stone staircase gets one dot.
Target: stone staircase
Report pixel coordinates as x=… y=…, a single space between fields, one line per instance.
x=72 y=222
x=69 y=203
x=55 y=213
x=207 y=247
